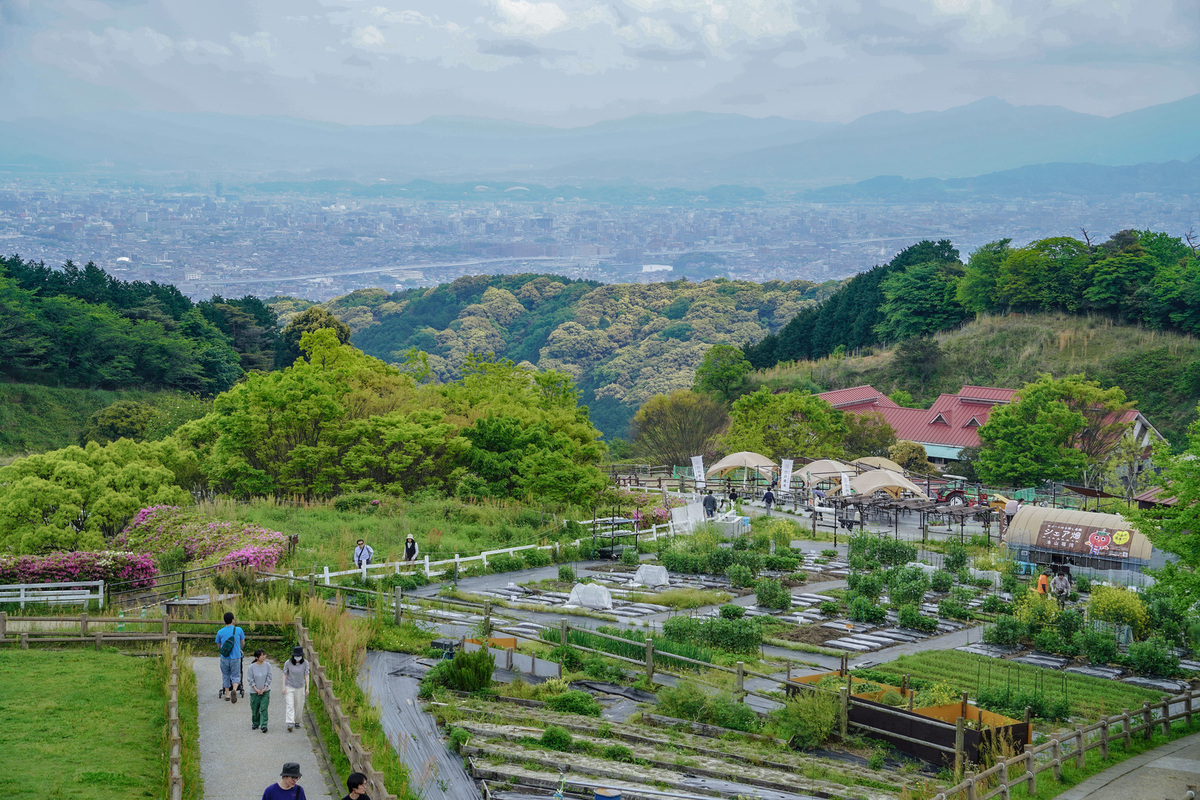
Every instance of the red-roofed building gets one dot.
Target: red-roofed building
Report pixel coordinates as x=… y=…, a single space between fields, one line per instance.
x=953 y=421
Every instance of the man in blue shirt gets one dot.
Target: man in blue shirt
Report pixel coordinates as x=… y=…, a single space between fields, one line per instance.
x=229 y=643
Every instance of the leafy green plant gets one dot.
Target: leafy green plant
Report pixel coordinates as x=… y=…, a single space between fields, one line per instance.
x=687 y=700
x=557 y=738
x=1036 y=610
x=466 y=672
x=1012 y=702
x=1069 y=623
x=806 y=721
x=941 y=581
x=457 y=737
x=629 y=557
x=731 y=611
x=617 y=752
x=740 y=576
x=952 y=609
x=1120 y=607
x=1099 y=647
x=829 y=553
x=909 y=616
x=992 y=604
x=863 y=610
x=1051 y=641
x=829 y=608
x=781 y=562
x=1008 y=630
x=865 y=584
x=771 y=594
x=956 y=557
x=1083 y=584
x=570 y=658
x=505 y=562
x=574 y=702
x=566 y=574
x=536 y=557
x=907 y=585
x=1152 y=657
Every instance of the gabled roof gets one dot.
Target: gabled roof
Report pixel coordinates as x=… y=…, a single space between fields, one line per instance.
x=858 y=396
x=952 y=421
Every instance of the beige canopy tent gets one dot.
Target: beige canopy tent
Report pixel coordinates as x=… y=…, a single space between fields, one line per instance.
x=1085 y=538
x=743 y=460
x=878 y=462
x=824 y=470
x=893 y=483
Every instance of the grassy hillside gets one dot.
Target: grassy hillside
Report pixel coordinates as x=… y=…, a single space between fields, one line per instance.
x=34 y=419
x=1158 y=371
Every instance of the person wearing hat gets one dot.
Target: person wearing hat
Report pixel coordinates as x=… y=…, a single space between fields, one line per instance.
x=286 y=789
x=295 y=688
x=410 y=548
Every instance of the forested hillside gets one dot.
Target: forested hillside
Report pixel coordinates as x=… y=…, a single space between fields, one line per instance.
x=1137 y=277
x=622 y=343
x=80 y=327
x=1159 y=371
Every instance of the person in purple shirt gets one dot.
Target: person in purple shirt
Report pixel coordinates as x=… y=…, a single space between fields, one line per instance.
x=286 y=789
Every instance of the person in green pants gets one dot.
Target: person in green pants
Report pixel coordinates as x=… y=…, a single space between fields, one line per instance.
x=258 y=678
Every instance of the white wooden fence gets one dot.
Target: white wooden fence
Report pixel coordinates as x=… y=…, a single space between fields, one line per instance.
x=54 y=594
x=684 y=520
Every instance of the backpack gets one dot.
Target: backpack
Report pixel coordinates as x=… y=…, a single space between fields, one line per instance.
x=228 y=645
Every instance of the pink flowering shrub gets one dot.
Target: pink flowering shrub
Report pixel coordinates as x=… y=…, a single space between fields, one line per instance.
x=648 y=506
x=62 y=567
x=163 y=528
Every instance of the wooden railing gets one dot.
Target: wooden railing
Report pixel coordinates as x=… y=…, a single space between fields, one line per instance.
x=999 y=779
x=350 y=742
x=84 y=623
x=175 y=740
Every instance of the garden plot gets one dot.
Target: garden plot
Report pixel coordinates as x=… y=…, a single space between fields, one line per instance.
x=552 y=600
x=864 y=637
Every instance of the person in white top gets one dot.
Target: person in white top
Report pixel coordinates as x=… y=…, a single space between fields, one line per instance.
x=362 y=554
x=1010 y=511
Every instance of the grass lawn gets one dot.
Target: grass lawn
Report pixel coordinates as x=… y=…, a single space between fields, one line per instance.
x=441 y=527
x=1088 y=697
x=80 y=724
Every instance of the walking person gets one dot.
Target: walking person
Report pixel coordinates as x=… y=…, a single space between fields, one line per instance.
x=768 y=500
x=295 y=688
x=357 y=784
x=229 y=643
x=410 y=548
x=258 y=676
x=286 y=788
x=1060 y=587
x=363 y=553
x=710 y=504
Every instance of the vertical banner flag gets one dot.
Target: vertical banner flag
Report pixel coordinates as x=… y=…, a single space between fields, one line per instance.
x=785 y=475
x=698 y=470
x=846 y=490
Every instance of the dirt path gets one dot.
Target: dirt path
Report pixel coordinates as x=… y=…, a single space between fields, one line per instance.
x=237 y=763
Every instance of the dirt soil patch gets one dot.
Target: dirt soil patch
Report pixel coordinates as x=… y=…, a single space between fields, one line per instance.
x=809 y=634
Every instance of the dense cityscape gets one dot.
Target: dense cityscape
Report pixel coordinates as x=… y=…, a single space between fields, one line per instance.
x=219 y=241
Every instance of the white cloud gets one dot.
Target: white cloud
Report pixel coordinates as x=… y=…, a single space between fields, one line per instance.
x=368 y=37
x=523 y=18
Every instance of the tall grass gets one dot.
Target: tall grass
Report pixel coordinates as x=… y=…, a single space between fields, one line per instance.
x=663 y=648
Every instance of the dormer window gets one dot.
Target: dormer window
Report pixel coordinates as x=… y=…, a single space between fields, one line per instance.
x=937 y=419
x=972 y=423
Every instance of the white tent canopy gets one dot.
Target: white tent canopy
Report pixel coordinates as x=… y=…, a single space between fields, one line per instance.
x=742 y=460
x=891 y=482
x=823 y=470
x=878 y=462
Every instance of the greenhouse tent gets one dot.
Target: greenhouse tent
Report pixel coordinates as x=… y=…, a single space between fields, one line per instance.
x=743 y=460
x=1053 y=536
x=884 y=479
x=878 y=462
x=824 y=470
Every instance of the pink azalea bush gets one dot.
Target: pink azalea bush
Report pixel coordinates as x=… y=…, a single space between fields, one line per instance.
x=648 y=506
x=159 y=529
x=63 y=567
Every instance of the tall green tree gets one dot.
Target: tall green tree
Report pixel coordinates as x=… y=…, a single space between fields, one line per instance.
x=1030 y=440
x=722 y=372
x=1048 y=275
x=920 y=301
x=1173 y=528
x=671 y=428
x=788 y=425
x=310 y=319
x=978 y=289
x=868 y=434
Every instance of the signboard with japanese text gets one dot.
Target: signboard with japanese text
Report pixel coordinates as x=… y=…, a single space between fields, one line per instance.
x=1068 y=537
x=698 y=470
x=785 y=475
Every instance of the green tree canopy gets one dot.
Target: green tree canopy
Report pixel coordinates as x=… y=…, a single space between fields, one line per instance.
x=722 y=372
x=868 y=434
x=920 y=300
x=1031 y=439
x=313 y=318
x=671 y=428
x=788 y=425
x=124 y=419
x=912 y=456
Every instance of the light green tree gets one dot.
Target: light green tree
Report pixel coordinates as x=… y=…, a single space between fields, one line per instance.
x=671 y=428
x=1031 y=439
x=722 y=372
x=788 y=425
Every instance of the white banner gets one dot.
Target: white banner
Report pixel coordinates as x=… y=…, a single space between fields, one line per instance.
x=698 y=469
x=785 y=475
x=846 y=490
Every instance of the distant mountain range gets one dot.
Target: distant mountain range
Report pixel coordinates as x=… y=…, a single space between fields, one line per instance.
x=693 y=149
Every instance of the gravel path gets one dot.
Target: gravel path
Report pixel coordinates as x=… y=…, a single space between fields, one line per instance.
x=237 y=763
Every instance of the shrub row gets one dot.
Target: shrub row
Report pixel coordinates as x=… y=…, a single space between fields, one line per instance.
x=107 y=566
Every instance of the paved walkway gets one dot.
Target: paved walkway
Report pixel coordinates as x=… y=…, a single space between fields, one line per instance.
x=237 y=763
x=1164 y=772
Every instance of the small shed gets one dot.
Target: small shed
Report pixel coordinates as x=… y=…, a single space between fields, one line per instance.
x=1059 y=536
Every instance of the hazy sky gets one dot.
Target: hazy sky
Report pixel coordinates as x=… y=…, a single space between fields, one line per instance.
x=572 y=62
